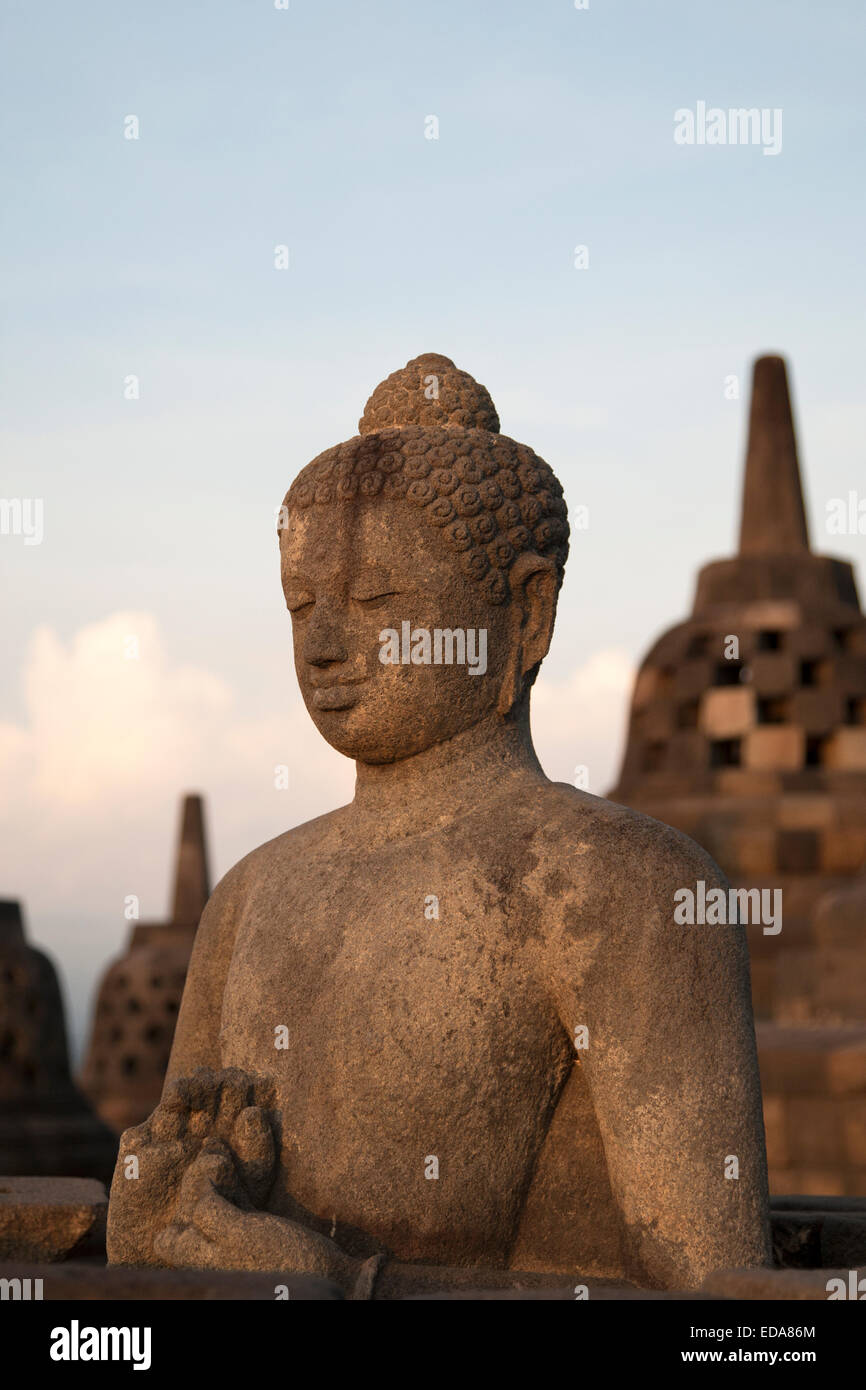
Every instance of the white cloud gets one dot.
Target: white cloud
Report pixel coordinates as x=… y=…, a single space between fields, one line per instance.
x=581 y=721
x=110 y=733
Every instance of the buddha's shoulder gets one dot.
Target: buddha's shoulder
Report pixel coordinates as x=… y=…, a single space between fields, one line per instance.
x=583 y=835
x=282 y=856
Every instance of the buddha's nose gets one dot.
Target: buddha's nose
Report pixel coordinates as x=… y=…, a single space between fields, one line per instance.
x=324 y=641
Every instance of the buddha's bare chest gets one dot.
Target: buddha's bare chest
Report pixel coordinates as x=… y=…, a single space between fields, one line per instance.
x=376 y=976
x=393 y=1000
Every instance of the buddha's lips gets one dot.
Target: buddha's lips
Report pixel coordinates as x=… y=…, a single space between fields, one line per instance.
x=339 y=695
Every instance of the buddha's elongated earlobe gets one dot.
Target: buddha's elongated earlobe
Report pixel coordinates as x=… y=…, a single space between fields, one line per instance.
x=532 y=579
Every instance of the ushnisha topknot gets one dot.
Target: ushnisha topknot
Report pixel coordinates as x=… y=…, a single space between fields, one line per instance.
x=429 y=390
x=492 y=498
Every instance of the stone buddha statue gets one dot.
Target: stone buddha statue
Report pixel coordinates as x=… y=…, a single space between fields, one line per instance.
x=451 y=1032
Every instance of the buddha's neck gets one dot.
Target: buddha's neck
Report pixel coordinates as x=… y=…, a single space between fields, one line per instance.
x=449 y=779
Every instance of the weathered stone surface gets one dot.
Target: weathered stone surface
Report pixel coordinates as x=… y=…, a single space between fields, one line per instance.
x=43 y=1219
x=596 y=1293
x=810 y=1232
x=450 y=397
x=817 y=711
x=843 y=1239
x=454 y=1023
x=813 y=1061
x=789 y=1284
x=773 y=673
x=846 y=748
x=88 y=1282
x=840 y=918
x=774 y=748
x=800 y=1202
x=797 y=1239
x=814 y=1085
x=823 y=983
x=774 y=518
x=842 y=852
x=727 y=713
x=397 y=1281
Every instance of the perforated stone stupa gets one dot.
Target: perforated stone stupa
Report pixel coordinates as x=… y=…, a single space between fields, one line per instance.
x=139 y=997
x=46 y=1125
x=757 y=749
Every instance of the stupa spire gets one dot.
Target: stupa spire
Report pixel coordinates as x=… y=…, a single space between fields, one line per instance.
x=140 y=992
x=774 y=518
x=191 y=878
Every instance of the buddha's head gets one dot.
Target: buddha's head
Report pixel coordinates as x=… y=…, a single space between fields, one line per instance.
x=428 y=522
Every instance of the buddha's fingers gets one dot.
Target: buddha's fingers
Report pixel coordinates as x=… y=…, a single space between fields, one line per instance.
x=133 y=1140
x=257 y=1240
x=175 y=1095
x=168 y=1121
x=147 y=1168
x=264 y=1093
x=187 y=1102
x=219 y=1220
x=362 y=1289
x=184 y=1247
x=211 y=1172
x=142 y=1193
x=253 y=1144
x=204 y=1091
x=235 y=1095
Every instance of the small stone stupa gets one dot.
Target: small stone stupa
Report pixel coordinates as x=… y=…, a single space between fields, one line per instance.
x=46 y=1126
x=139 y=997
x=748 y=732
x=756 y=746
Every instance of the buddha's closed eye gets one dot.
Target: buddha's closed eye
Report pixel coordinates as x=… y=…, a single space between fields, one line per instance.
x=301 y=605
x=374 y=600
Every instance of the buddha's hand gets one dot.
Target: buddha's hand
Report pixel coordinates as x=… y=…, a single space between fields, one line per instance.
x=229 y=1106
x=215 y=1228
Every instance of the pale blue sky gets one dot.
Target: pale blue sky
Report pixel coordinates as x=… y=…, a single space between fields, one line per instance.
x=306 y=127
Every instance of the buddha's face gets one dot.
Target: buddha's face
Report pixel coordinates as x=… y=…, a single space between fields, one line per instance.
x=353 y=571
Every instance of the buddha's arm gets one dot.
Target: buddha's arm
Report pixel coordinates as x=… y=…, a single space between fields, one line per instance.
x=154 y=1156
x=196 y=1039
x=206 y=1154
x=672 y=1070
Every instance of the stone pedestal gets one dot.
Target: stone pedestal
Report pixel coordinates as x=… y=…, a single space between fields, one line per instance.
x=46 y=1219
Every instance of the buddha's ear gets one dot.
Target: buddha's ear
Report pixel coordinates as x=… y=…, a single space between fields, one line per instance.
x=532 y=612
